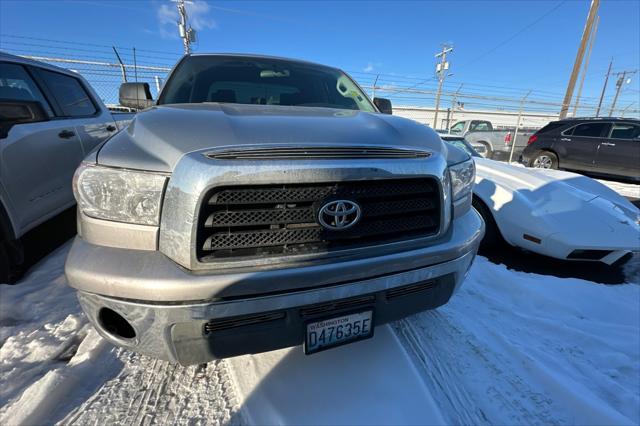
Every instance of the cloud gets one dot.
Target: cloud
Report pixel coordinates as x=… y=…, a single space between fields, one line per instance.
x=168 y=20
x=368 y=68
x=197 y=14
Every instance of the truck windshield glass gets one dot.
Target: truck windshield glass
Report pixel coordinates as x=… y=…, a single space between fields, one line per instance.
x=463 y=145
x=260 y=81
x=457 y=128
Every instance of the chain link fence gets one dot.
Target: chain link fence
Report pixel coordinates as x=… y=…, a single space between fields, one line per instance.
x=505 y=112
x=106 y=77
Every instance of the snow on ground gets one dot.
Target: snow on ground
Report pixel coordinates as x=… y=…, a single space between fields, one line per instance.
x=510 y=348
x=518 y=348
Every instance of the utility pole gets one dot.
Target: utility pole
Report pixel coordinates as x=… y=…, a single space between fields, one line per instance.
x=619 y=83
x=187 y=34
x=593 y=10
x=454 y=100
x=604 y=88
x=586 y=64
x=515 y=134
x=441 y=70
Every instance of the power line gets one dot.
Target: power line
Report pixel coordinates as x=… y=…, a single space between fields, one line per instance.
x=502 y=43
x=83 y=43
x=516 y=34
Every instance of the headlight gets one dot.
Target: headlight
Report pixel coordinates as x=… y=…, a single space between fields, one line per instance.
x=462 y=177
x=118 y=194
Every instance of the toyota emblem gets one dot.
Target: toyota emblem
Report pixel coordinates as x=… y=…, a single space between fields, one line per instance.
x=338 y=215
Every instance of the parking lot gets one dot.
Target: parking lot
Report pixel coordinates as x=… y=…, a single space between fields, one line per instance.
x=319 y=213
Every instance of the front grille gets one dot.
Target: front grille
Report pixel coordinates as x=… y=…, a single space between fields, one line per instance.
x=276 y=220
x=292 y=153
x=409 y=289
x=234 y=322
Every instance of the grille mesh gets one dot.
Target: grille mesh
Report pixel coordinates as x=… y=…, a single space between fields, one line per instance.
x=245 y=222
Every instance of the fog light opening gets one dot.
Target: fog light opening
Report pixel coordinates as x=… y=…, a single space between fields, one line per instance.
x=115 y=324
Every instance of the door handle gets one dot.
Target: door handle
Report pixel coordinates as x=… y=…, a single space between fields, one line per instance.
x=111 y=128
x=66 y=134
x=608 y=144
x=565 y=140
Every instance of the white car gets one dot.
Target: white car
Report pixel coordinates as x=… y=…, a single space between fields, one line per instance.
x=555 y=213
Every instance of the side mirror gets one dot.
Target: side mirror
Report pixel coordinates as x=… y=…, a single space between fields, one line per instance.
x=14 y=112
x=135 y=95
x=384 y=105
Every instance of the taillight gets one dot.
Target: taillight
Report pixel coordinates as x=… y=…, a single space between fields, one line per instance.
x=532 y=139
x=507 y=139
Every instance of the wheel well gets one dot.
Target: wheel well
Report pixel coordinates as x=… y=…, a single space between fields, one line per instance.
x=549 y=150
x=6 y=230
x=479 y=202
x=488 y=144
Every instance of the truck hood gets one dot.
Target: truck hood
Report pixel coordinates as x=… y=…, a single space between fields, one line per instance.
x=158 y=137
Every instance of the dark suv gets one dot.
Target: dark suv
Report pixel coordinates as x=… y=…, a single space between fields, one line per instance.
x=603 y=146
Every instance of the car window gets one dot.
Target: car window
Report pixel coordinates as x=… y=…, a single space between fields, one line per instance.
x=589 y=129
x=16 y=85
x=552 y=126
x=625 y=131
x=69 y=93
x=480 y=126
x=457 y=128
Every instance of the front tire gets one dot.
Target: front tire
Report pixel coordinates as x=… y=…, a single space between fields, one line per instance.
x=544 y=160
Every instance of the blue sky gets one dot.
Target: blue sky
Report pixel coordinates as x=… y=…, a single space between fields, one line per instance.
x=502 y=48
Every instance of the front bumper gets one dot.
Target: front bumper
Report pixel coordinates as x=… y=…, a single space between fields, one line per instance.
x=168 y=307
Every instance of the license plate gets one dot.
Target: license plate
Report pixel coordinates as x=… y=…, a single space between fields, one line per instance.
x=337 y=331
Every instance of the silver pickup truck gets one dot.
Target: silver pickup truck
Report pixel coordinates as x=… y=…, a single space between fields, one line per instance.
x=263 y=203
x=50 y=119
x=493 y=143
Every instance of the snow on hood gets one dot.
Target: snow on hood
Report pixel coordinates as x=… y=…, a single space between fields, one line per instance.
x=522 y=178
x=159 y=136
x=557 y=201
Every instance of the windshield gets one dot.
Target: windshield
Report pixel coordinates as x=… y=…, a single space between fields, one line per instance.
x=462 y=144
x=457 y=128
x=260 y=81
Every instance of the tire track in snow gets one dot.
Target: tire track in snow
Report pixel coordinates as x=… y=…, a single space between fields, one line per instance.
x=464 y=373
x=148 y=391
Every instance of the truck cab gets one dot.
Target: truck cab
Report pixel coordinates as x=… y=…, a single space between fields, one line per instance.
x=461 y=128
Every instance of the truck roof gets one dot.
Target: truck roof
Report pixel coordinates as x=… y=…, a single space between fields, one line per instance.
x=259 y=56
x=599 y=118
